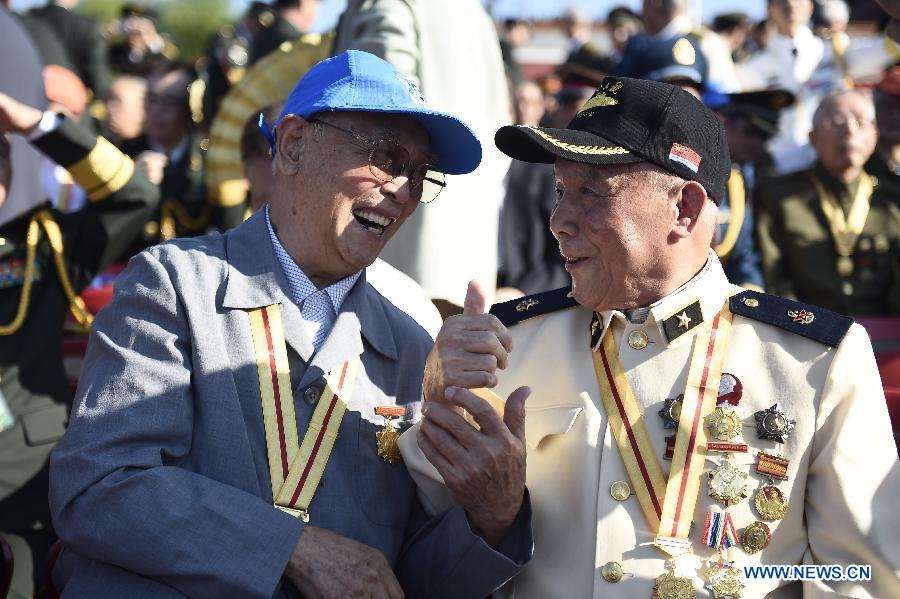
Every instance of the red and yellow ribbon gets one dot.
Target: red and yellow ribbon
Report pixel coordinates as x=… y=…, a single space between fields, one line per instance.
x=667 y=505
x=295 y=470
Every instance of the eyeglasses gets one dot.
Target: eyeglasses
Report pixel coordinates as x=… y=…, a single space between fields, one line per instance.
x=389 y=160
x=851 y=123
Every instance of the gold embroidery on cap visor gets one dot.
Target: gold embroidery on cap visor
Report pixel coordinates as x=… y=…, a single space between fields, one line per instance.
x=576 y=149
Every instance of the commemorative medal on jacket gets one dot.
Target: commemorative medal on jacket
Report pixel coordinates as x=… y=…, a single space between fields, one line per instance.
x=770 y=502
x=755 y=537
x=727 y=484
x=774 y=424
x=386 y=438
x=724 y=579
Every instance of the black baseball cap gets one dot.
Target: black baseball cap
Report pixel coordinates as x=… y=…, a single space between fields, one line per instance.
x=633 y=120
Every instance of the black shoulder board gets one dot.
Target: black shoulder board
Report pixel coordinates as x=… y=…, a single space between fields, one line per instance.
x=810 y=321
x=517 y=310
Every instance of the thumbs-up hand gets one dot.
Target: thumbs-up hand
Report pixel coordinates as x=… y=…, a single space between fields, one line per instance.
x=484 y=468
x=469 y=349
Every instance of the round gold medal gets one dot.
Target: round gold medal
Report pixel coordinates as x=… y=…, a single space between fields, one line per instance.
x=770 y=502
x=755 y=537
x=727 y=585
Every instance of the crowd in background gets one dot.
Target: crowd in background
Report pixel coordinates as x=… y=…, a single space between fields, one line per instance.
x=809 y=99
x=766 y=79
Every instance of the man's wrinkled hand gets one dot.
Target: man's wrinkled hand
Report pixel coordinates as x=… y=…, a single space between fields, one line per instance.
x=325 y=565
x=469 y=349
x=484 y=470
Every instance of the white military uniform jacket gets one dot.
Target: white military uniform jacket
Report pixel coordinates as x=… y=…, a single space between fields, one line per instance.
x=844 y=477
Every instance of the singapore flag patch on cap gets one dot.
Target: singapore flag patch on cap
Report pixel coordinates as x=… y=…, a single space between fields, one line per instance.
x=686 y=156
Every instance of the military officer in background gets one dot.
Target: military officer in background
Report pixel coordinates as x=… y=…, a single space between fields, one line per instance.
x=170 y=154
x=46 y=258
x=829 y=235
x=679 y=427
x=750 y=119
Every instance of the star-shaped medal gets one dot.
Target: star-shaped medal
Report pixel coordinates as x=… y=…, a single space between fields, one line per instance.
x=774 y=424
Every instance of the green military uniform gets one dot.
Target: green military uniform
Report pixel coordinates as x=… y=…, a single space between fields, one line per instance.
x=804 y=256
x=81 y=38
x=183 y=211
x=35 y=391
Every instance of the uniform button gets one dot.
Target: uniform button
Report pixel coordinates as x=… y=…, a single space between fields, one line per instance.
x=620 y=490
x=611 y=572
x=637 y=339
x=311 y=394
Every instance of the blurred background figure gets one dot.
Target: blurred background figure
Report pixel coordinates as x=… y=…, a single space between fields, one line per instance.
x=809 y=67
x=530 y=261
x=829 y=235
x=666 y=22
x=529 y=107
x=285 y=21
x=885 y=162
x=80 y=37
x=141 y=48
x=734 y=28
x=579 y=30
x=228 y=56
x=169 y=154
x=124 y=104
x=622 y=24
x=514 y=34
x=451 y=50
x=750 y=120
x=830 y=18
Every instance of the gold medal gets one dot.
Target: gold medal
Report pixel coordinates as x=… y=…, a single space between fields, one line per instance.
x=668 y=586
x=724 y=423
x=770 y=502
x=727 y=484
x=845 y=266
x=386 y=438
x=755 y=537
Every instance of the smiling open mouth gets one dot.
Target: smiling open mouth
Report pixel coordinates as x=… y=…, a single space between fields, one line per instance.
x=372 y=221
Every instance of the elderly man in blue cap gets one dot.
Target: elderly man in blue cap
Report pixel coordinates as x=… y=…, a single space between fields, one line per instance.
x=235 y=430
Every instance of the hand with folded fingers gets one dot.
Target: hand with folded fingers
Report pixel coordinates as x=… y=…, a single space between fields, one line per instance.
x=484 y=467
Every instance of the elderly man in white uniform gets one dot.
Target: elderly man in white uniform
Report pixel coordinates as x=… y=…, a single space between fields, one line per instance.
x=682 y=432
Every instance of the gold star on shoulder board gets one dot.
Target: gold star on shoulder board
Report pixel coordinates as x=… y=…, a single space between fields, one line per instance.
x=684 y=321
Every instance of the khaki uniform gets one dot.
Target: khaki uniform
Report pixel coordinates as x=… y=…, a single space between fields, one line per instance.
x=843 y=474
x=799 y=256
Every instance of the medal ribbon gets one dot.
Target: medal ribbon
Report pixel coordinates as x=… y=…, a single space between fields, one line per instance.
x=846 y=230
x=295 y=469
x=667 y=505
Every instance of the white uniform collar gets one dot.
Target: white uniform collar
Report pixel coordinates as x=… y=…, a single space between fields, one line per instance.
x=710 y=288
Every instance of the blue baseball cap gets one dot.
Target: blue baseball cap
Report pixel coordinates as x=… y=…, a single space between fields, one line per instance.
x=357 y=81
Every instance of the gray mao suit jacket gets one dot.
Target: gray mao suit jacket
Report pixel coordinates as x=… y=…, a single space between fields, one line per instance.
x=160 y=487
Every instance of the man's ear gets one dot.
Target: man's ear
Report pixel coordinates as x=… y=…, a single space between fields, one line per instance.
x=289 y=143
x=690 y=204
